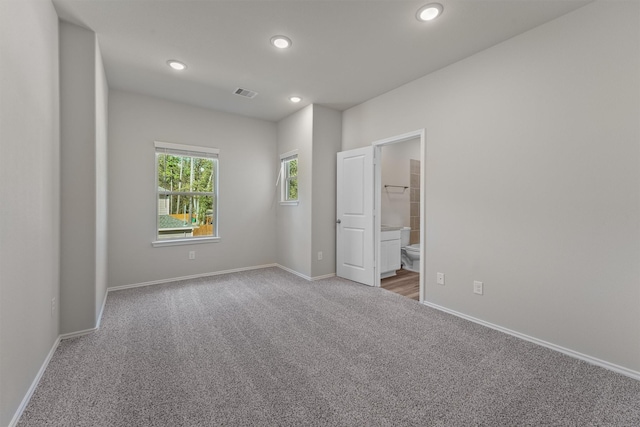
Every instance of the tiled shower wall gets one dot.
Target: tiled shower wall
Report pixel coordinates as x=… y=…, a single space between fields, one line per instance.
x=414 y=200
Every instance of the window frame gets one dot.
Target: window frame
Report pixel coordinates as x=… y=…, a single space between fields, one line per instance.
x=187 y=151
x=285 y=179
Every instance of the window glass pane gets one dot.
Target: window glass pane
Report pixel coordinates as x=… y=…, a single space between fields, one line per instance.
x=175 y=173
x=290 y=179
x=181 y=216
x=292 y=189
x=168 y=171
x=203 y=174
x=292 y=167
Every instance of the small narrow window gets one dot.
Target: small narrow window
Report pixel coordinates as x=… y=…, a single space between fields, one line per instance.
x=187 y=187
x=289 y=173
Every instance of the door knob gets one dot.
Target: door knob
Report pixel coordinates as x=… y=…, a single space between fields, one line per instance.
x=338 y=221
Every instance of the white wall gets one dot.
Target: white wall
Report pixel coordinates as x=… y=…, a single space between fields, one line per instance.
x=395 y=202
x=30 y=191
x=83 y=121
x=294 y=221
x=101 y=109
x=327 y=139
x=309 y=227
x=532 y=151
x=247 y=177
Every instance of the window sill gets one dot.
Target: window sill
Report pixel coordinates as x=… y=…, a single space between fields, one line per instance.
x=289 y=203
x=179 y=242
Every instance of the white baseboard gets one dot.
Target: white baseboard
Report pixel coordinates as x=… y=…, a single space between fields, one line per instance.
x=34 y=384
x=304 y=276
x=326 y=276
x=282 y=267
x=90 y=330
x=36 y=380
x=589 y=359
x=194 y=276
x=216 y=273
x=78 y=333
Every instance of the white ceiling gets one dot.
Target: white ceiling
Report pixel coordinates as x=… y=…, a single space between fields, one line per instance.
x=344 y=51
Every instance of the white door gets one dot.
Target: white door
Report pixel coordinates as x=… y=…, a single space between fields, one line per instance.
x=354 y=216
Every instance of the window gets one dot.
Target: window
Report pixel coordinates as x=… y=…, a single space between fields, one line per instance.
x=289 y=173
x=187 y=193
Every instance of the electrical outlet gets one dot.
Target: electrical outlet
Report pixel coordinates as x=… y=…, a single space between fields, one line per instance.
x=192 y=254
x=440 y=278
x=320 y=256
x=477 y=287
x=53 y=306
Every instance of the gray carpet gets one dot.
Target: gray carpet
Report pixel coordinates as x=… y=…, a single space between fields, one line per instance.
x=266 y=348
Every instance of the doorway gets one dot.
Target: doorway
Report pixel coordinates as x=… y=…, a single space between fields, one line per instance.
x=358 y=207
x=414 y=217
x=405 y=283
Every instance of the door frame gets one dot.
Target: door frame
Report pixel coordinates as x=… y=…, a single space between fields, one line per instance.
x=377 y=188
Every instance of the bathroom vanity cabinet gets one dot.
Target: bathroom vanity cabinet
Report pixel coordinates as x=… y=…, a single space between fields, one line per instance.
x=389 y=252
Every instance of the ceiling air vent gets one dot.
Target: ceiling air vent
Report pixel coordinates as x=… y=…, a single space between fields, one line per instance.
x=245 y=92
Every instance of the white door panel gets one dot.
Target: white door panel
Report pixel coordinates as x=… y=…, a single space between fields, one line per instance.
x=353 y=247
x=354 y=177
x=354 y=216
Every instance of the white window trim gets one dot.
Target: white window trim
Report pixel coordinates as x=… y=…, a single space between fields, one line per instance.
x=184 y=147
x=283 y=157
x=187 y=150
x=180 y=242
x=288 y=154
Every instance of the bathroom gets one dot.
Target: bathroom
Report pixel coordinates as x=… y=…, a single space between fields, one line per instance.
x=400 y=217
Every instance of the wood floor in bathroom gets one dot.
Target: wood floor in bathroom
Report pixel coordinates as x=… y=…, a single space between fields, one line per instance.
x=405 y=283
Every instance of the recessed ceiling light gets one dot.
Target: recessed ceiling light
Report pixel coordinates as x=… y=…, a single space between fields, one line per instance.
x=429 y=12
x=281 y=42
x=176 y=65
x=295 y=99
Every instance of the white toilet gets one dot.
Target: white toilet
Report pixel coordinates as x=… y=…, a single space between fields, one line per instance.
x=410 y=253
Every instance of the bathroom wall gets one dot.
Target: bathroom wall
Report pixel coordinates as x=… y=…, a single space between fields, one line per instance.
x=248 y=170
x=30 y=194
x=395 y=203
x=532 y=151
